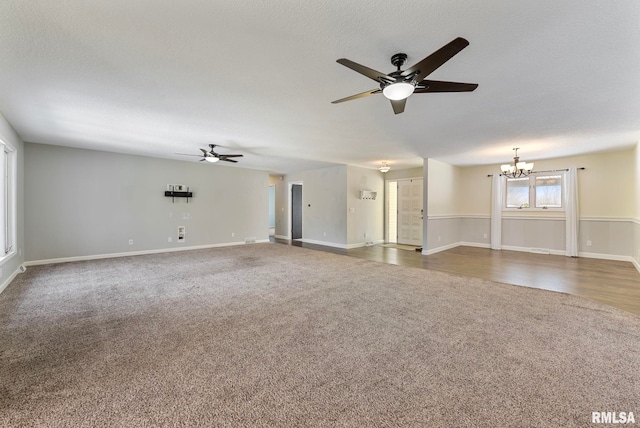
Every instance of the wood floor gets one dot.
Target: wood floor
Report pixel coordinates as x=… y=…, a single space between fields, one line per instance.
x=614 y=283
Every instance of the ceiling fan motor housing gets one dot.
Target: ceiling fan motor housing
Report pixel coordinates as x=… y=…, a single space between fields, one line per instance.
x=398 y=60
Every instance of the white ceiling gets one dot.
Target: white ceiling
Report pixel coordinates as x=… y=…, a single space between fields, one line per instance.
x=156 y=77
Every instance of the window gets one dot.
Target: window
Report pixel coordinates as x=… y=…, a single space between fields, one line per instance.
x=537 y=191
x=7 y=199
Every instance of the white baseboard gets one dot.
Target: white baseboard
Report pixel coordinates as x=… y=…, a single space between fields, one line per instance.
x=475 y=244
x=534 y=250
x=439 y=249
x=607 y=257
x=11 y=277
x=529 y=250
x=365 y=244
x=343 y=246
x=325 y=243
x=282 y=237
x=135 y=253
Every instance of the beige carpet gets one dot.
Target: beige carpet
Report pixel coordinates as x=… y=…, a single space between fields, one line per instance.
x=271 y=335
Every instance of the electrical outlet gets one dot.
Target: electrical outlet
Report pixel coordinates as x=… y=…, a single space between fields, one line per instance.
x=589 y=243
x=130 y=241
x=324 y=234
x=169 y=239
x=485 y=236
x=439 y=238
x=233 y=234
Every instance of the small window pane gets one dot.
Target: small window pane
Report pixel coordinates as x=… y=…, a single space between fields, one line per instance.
x=518 y=192
x=549 y=191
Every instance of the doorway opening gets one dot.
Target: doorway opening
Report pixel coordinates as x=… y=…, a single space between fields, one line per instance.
x=404 y=211
x=296 y=211
x=272 y=211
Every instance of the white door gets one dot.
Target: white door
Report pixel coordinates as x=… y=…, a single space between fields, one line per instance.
x=410 y=212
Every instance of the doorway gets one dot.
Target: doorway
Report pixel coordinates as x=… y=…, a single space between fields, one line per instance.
x=272 y=211
x=404 y=211
x=296 y=211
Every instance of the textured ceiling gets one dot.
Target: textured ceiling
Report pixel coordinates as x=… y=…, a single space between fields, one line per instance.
x=156 y=77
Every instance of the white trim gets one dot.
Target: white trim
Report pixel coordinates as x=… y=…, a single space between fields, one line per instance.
x=439 y=249
x=11 y=277
x=343 y=246
x=325 y=243
x=609 y=219
x=474 y=244
x=528 y=217
x=282 y=237
x=607 y=257
x=534 y=217
x=135 y=253
x=442 y=217
x=534 y=250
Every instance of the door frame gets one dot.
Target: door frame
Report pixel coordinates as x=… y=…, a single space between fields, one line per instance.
x=397 y=197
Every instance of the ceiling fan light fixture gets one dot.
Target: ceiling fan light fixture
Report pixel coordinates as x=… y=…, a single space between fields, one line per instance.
x=212 y=159
x=398 y=91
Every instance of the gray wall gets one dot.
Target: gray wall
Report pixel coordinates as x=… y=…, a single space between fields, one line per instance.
x=333 y=213
x=324 y=204
x=11 y=265
x=84 y=202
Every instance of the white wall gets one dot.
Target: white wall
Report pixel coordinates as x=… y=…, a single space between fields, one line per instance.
x=86 y=203
x=365 y=217
x=398 y=174
x=10 y=266
x=324 y=205
x=442 y=222
x=332 y=212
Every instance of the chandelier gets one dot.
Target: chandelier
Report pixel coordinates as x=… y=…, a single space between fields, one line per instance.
x=385 y=167
x=517 y=169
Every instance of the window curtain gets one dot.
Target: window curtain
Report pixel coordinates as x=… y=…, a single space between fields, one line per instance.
x=497 y=197
x=571 y=212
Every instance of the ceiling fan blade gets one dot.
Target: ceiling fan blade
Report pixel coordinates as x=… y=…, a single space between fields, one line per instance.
x=231 y=156
x=228 y=160
x=355 y=97
x=187 y=154
x=436 y=59
x=398 y=105
x=365 y=71
x=440 y=86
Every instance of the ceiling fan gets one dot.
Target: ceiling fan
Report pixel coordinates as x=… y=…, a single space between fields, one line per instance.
x=398 y=85
x=211 y=156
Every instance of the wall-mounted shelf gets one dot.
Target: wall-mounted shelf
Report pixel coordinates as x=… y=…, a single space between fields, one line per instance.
x=173 y=195
x=368 y=194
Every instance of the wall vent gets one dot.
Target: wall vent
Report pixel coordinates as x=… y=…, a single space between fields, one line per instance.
x=251 y=240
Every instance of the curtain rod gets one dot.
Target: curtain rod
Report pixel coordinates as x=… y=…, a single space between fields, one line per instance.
x=549 y=170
